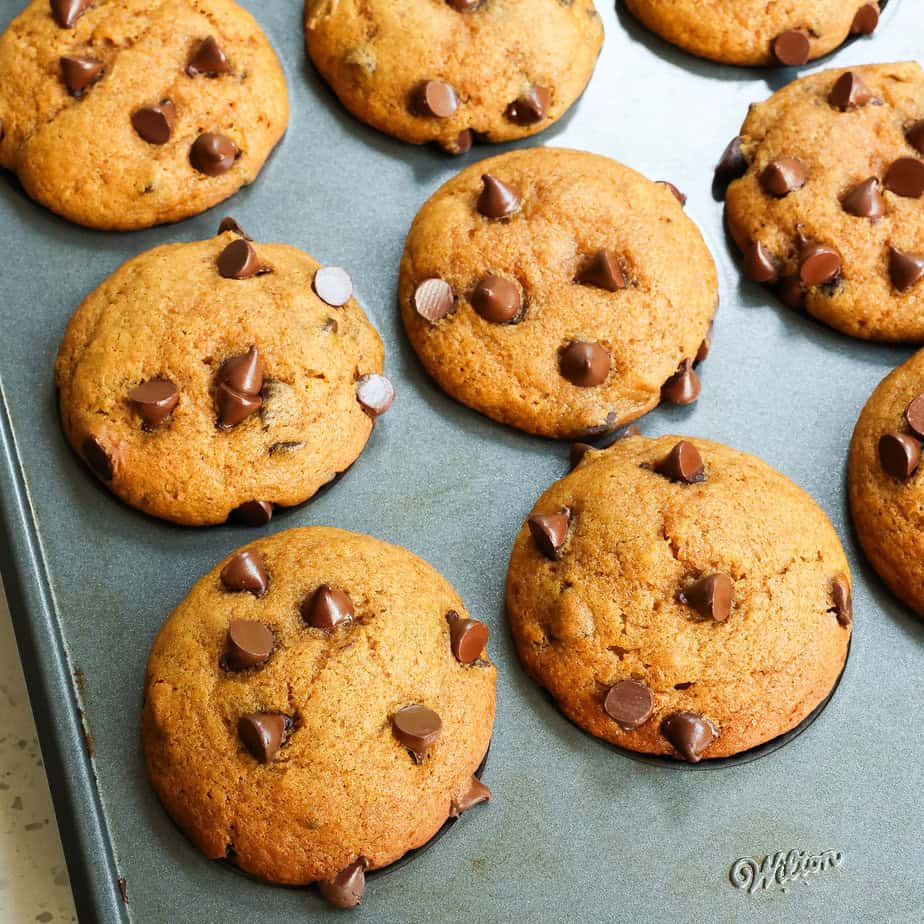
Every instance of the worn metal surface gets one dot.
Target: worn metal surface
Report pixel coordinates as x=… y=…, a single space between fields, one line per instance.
x=577 y=831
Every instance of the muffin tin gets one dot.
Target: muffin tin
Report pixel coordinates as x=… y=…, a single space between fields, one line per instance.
x=577 y=830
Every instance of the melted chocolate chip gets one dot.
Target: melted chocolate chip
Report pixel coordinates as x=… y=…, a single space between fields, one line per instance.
x=79 y=73
x=675 y=192
x=477 y=793
x=435 y=98
x=731 y=165
x=899 y=455
x=585 y=364
x=239 y=260
x=234 y=407
x=683 y=464
x=375 y=394
x=550 y=530
x=690 y=734
x=154 y=124
x=244 y=372
x=433 y=299
x=783 y=176
x=683 y=387
x=629 y=703
x=791 y=48
x=710 y=596
x=333 y=285
x=819 y=264
x=531 y=107
x=261 y=733
x=602 y=271
x=249 y=644
x=346 y=889
x=578 y=451
x=229 y=224
x=905 y=269
x=842 y=600
x=865 y=200
x=246 y=572
x=906 y=178
x=417 y=728
x=914 y=415
x=866 y=20
x=759 y=265
x=208 y=59
x=497 y=198
x=67 y=12
x=467 y=637
x=497 y=300
x=97 y=458
x=253 y=513
x=327 y=608
x=154 y=400
x=915 y=136
x=213 y=154
x=849 y=92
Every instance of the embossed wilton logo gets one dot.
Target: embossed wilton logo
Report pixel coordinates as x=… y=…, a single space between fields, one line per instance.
x=780 y=869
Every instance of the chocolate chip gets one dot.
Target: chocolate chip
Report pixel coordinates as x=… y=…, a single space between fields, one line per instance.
x=417 y=728
x=899 y=455
x=841 y=597
x=375 y=393
x=253 y=513
x=467 y=637
x=759 y=265
x=327 y=608
x=97 y=458
x=261 y=733
x=689 y=733
x=239 y=260
x=915 y=136
x=791 y=47
x=585 y=364
x=208 y=59
x=346 y=889
x=677 y=194
x=531 y=107
x=603 y=271
x=249 y=644
x=464 y=6
x=244 y=372
x=849 y=92
x=154 y=400
x=234 y=407
x=550 y=530
x=783 y=176
x=433 y=299
x=629 y=703
x=497 y=199
x=914 y=415
x=906 y=177
x=435 y=98
x=710 y=596
x=905 y=269
x=865 y=200
x=683 y=387
x=683 y=464
x=333 y=285
x=154 y=124
x=246 y=572
x=462 y=143
x=866 y=20
x=731 y=165
x=819 y=264
x=213 y=154
x=497 y=300
x=229 y=224
x=791 y=291
x=477 y=793
x=79 y=73
x=67 y=12
x=578 y=451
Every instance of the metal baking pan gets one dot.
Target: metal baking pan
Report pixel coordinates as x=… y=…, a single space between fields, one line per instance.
x=577 y=830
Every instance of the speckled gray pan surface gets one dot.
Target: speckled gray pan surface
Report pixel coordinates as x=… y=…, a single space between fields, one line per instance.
x=577 y=831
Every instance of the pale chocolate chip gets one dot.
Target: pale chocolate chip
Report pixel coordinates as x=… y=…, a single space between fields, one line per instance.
x=792 y=47
x=154 y=124
x=731 y=165
x=550 y=530
x=497 y=300
x=497 y=199
x=67 y=12
x=213 y=154
x=229 y=224
x=866 y=20
x=899 y=455
x=436 y=98
x=914 y=415
x=246 y=572
x=683 y=387
x=585 y=364
x=759 y=265
x=690 y=734
x=531 y=107
x=239 y=260
x=333 y=285
x=711 y=596
x=905 y=269
x=819 y=264
x=677 y=194
x=79 y=73
x=433 y=299
x=97 y=458
x=249 y=644
x=906 y=177
x=253 y=513
x=915 y=136
x=375 y=394
x=849 y=92
x=602 y=271
x=477 y=793
x=865 y=200
x=417 y=728
x=578 y=451
x=783 y=176
x=629 y=703
x=208 y=59
x=346 y=889
x=842 y=599
x=261 y=733
x=154 y=400
x=327 y=608
x=683 y=464
x=244 y=372
x=467 y=637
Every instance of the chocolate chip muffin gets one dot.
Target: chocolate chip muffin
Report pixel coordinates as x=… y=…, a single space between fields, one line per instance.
x=455 y=71
x=316 y=707
x=755 y=32
x=220 y=378
x=826 y=201
x=885 y=480
x=558 y=291
x=678 y=597
x=123 y=115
